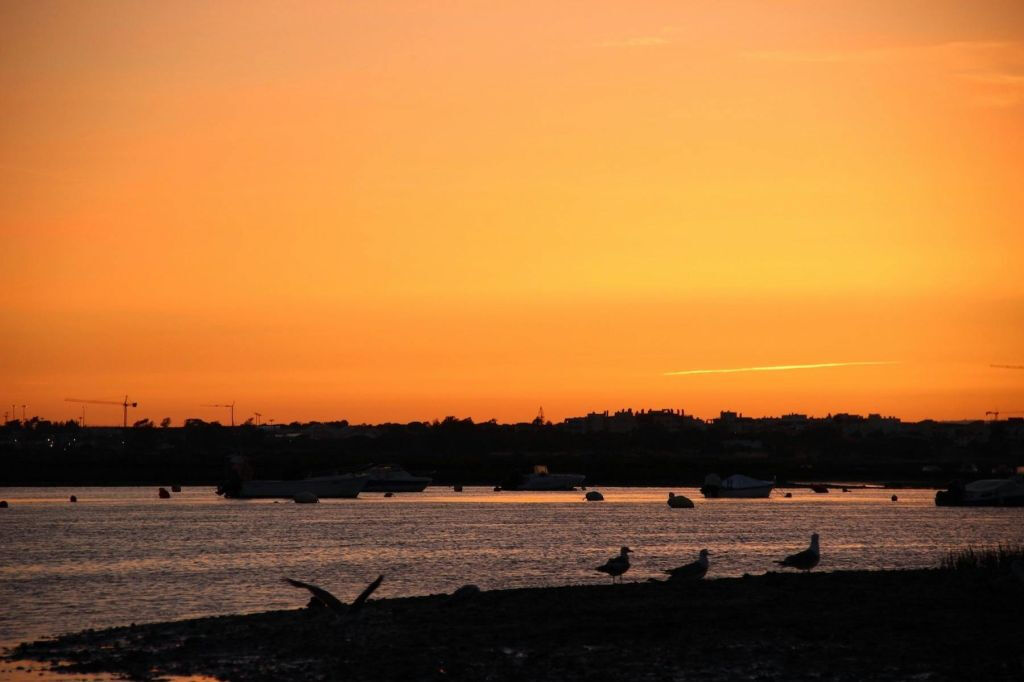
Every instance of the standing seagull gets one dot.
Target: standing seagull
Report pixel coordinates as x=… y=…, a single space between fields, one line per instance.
x=805 y=560
x=616 y=566
x=694 y=571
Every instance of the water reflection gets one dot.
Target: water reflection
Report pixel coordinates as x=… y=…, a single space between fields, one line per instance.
x=121 y=555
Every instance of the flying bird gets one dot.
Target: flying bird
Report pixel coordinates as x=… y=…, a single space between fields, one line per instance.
x=692 y=571
x=805 y=560
x=332 y=602
x=616 y=566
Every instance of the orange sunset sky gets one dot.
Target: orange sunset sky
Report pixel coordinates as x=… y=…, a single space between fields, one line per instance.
x=405 y=210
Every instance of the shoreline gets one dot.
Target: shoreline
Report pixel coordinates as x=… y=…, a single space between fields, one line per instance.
x=928 y=624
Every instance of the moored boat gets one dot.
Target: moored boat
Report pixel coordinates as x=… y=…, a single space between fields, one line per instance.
x=335 y=486
x=542 y=479
x=390 y=478
x=736 y=485
x=990 y=492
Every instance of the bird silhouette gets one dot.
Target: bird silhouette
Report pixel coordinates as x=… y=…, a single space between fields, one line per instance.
x=805 y=560
x=692 y=571
x=332 y=602
x=616 y=566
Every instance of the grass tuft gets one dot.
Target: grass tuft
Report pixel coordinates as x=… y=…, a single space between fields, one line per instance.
x=996 y=558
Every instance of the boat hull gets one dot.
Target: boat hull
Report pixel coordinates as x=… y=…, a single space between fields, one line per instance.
x=383 y=485
x=716 y=492
x=323 y=487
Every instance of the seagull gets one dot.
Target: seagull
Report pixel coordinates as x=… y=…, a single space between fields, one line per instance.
x=805 y=560
x=332 y=602
x=693 y=571
x=616 y=566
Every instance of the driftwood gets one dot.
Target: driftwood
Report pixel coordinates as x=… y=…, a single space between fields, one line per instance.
x=325 y=598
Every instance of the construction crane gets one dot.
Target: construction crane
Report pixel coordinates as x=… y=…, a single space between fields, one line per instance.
x=230 y=405
x=124 y=404
x=995 y=414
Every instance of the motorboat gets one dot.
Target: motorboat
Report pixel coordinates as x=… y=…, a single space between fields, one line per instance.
x=736 y=485
x=542 y=479
x=334 y=486
x=390 y=478
x=989 y=492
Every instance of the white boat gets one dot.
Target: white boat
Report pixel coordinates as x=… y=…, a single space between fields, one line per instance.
x=736 y=485
x=990 y=492
x=393 y=479
x=541 y=479
x=338 y=485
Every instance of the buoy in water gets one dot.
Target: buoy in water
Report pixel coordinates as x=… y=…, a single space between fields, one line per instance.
x=175 y=488
x=497 y=488
x=894 y=498
x=389 y=494
x=305 y=497
x=163 y=494
x=788 y=495
x=457 y=488
x=594 y=496
x=72 y=499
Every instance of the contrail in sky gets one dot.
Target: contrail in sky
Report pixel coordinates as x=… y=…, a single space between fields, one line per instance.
x=1008 y=366
x=780 y=368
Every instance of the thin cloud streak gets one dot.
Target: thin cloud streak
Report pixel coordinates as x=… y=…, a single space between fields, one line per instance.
x=779 y=368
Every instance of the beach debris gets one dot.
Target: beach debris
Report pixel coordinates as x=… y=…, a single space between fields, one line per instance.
x=805 y=560
x=163 y=494
x=691 y=571
x=464 y=593
x=73 y=498
x=305 y=497
x=679 y=501
x=325 y=598
x=593 y=496
x=616 y=566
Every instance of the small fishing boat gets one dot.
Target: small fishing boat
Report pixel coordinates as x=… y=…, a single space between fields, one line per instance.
x=542 y=479
x=991 y=492
x=736 y=485
x=391 y=478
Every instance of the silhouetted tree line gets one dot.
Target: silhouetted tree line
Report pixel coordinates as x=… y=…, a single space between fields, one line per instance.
x=461 y=451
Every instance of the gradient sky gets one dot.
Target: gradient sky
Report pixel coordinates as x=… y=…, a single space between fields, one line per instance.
x=404 y=210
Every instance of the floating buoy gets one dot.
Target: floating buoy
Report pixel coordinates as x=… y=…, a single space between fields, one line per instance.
x=3 y=504
x=163 y=494
x=497 y=488
x=894 y=498
x=788 y=495
x=72 y=499
x=679 y=501
x=846 y=490
x=594 y=496
x=305 y=497
x=175 y=488
x=389 y=494
x=457 y=488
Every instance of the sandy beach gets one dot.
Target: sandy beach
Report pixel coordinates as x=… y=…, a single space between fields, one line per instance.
x=881 y=625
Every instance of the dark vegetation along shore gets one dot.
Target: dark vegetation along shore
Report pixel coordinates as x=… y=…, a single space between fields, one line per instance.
x=625 y=448
x=960 y=622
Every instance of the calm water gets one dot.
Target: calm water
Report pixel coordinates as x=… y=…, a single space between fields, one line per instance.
x=120 y=555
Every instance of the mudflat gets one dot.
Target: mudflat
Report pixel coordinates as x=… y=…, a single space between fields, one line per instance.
x=856 y=625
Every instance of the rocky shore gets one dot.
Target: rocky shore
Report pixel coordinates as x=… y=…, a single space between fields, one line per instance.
x=878 y=625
